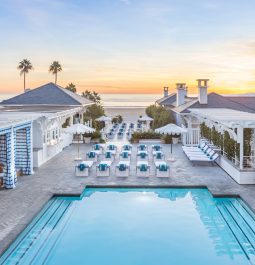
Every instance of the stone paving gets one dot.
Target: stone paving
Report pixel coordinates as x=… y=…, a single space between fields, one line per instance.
x=57 y=176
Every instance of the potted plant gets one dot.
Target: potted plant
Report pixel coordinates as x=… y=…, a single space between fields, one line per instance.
x=175 y=139
x=87 y=138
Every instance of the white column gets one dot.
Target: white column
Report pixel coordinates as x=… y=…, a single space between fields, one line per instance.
x=240 y=140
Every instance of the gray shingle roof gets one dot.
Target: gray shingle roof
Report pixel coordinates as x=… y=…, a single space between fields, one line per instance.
x=49 y=94
x=217 y=101
x=248 y=101
x=169 y=100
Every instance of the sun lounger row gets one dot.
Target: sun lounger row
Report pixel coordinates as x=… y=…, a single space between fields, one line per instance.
x=103 y=169
x=201 y=153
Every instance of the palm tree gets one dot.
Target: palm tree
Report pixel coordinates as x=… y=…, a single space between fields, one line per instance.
x=55 y=67
x=71 y=87
x=25 y=66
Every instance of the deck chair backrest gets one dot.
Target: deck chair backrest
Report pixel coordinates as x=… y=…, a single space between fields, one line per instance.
x=215 y=156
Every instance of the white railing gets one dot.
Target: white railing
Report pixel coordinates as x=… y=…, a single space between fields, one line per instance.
x=192 y=137
x=249 y=162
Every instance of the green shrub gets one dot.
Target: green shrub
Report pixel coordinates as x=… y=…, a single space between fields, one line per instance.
x=117 y=119
x=136 y=136
x=160 y=115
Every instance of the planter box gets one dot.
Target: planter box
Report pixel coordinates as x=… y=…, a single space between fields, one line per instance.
x=87 y=140
x=175 y=140
x=159 y=141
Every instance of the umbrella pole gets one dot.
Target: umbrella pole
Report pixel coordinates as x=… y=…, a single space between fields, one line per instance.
x=79 y=146
x=171 y=150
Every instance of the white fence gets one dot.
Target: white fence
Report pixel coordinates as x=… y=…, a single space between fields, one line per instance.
x=192 y=137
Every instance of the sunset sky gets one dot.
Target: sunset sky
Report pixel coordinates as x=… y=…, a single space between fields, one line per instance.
x=130 y=46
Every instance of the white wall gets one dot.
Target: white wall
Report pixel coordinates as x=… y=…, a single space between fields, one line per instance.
x=241 y=177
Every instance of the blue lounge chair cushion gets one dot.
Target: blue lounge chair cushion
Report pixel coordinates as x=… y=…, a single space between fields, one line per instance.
x=127 y=147
x=108 y=155
x=91 y=154
x=124 y=154
x=97 y=147
x=142 y=147
x=163 y=167
x=103 y=167
x=157 y=147
x=158 y=156
x=122 y=167
x=143 y=155
x=143 y=167
x=82 y=166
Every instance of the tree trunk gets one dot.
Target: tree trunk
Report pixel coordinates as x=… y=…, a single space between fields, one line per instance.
x=24 y=81
x=56 y=77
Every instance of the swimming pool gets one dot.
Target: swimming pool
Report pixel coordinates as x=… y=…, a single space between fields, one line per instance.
x=138 y=227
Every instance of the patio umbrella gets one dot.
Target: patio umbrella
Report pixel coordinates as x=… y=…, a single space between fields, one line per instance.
x=145 y=118
x=103 y=118
x=106 y=121
x=171 y=129
x=79 y=128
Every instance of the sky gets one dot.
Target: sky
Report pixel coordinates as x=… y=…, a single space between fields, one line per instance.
x=129 y=46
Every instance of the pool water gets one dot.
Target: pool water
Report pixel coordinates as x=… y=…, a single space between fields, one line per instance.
x=138 y=227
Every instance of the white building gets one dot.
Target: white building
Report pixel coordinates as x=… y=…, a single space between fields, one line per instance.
x=32 y=128
x=234 y=115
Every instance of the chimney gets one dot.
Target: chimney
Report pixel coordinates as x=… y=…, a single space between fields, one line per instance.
x=165 y=91
x=181 y=93
x=202 y=90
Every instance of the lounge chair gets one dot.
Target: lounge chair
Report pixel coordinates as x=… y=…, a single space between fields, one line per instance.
x=158 y=155
x=109 y=155
x=120 y=134
x=97 y=147
x=127 y=147
x=156 y=147
x=162 y=169
x=112 y=147
x=205 y=159
x=142 y=169
x=193 y=147
x=142 y=155
x=209 y=152
x=103 y=169
x=142 y=147
x=123 y=169
x=82 y=169
x=92 y=155
x=125 y=155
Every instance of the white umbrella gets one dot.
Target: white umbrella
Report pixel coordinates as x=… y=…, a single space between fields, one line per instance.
x=145 y=118
x=79 y=128
x=103 y=118
x=171 y=129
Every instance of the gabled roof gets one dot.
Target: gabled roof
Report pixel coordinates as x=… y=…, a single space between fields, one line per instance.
x=248 y=101
x=169 y=100
x=49 y=94
x=217 y=101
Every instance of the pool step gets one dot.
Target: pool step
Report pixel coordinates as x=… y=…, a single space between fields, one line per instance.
x=37 y=236
x=241 y=224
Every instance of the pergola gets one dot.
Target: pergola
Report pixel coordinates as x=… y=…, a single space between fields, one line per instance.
x=229 y=120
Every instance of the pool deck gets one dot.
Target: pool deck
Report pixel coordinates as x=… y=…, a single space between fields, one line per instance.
x=57 y=176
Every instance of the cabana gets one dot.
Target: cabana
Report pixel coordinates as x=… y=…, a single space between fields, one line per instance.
x=233 y=134
x=16 y=153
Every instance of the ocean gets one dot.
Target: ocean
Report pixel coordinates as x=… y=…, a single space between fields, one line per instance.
x=118 y=100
